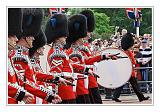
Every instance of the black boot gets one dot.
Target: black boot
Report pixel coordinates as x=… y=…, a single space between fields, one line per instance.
x=116 y=100
x=145 y=98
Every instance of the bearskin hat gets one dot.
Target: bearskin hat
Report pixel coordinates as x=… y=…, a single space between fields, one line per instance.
x=14 y=21
x=77 y=26
x=40 y=41
x=90 y=19
x=127 y=41
x=32 y=20
x=56 y=27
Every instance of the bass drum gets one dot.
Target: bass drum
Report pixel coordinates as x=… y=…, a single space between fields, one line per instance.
x=114 y=73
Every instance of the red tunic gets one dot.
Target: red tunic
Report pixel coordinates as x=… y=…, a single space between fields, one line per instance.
x=26 y=76
x=90 y=60
x=131 y=55
x=41 y=77
x=59 y=63
x=12 y=81
x=76 y=57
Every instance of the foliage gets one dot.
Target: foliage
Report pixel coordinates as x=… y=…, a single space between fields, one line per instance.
x=108 y=18
x=118 y=18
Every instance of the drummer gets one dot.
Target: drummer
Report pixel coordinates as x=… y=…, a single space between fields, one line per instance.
x=126 y=43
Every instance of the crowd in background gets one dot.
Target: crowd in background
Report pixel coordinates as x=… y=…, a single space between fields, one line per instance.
x=142 y=50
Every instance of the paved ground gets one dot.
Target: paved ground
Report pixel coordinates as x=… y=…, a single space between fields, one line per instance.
x=131 y=99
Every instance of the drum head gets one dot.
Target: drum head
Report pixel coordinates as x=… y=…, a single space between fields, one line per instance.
x=114 y=73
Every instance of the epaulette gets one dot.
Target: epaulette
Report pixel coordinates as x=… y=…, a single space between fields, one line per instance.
x=35 y=65
x=75 y=55
x=20 y=57
x=83 y=48
x=57 y=54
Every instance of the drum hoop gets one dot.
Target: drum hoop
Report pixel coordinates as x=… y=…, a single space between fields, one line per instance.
x=129 y=59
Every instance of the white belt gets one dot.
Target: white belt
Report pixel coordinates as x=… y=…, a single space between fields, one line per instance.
x=75 y=82
x=78 y=74
x=89 y=66
x=63 y=73
x=85 y=80
x=67 y=74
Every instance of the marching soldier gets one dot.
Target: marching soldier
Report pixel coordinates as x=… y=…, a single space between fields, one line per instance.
x=34 y=54
x=127 y=43
x=85 y=50
x=15 y=91
x=56 y=32
x=78 y=29
x=32 y=19
x=93 y=86
x=42 y=78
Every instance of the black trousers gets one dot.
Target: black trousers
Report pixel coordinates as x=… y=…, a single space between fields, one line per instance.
x=83 y=99
x=95 y=96
x=135 y=87
x=108 y=93
x=117 y=92
x=72 y=101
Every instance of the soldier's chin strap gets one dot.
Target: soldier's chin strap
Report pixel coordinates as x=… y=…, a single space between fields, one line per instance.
x=58 y=43
x=11 y=45
x=41 y=54
x=27 y=42
x=61 y=43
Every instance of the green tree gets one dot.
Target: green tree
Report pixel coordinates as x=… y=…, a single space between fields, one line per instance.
x=118 y=18
x=103 y=28
x=146 y=24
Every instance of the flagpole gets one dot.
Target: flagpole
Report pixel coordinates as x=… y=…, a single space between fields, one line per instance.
x=137 y=20
x=137 y=32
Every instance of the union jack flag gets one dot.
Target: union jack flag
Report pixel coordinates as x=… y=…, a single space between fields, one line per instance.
x=56 y=10
x=53 y=10
x=133 y=13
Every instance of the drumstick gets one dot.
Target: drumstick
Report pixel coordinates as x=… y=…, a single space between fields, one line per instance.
x=118 y=56
x=138 y=68
x=97 y=76
x=121 y=57
x=80 y=78
x=110 y=55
